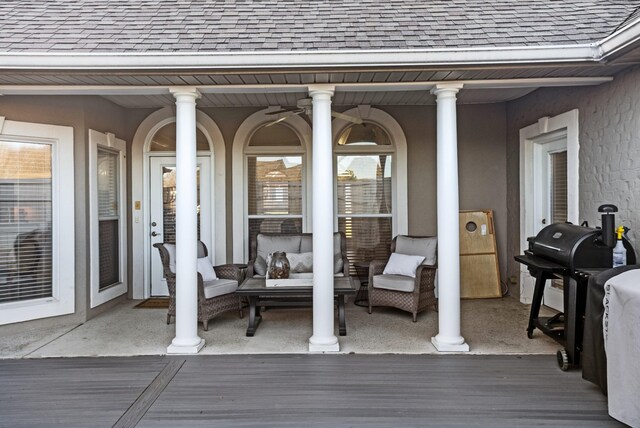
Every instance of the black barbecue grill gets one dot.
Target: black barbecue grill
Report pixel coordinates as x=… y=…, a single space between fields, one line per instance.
x=571 y=253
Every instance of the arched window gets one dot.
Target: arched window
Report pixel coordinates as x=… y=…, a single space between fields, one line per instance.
x=364 y=190
x=275 y=185
x=164 y=140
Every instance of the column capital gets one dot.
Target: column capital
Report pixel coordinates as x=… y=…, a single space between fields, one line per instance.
x=185 y=91
x=446 y=89
x=319 y=90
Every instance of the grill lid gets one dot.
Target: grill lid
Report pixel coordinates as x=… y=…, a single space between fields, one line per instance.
x=570 y=245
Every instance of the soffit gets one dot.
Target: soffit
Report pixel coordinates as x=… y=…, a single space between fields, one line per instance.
x=289 y=97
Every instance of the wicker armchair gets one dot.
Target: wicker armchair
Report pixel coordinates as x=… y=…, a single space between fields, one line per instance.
x=423 y=293
x=207 y=307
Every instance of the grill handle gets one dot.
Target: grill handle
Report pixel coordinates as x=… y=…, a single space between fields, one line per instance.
x=608 y=224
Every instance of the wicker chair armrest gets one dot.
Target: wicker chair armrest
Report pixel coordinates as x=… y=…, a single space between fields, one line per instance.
x=425 y=277
x=229 y=271
x=376 y=267
x=250 y=271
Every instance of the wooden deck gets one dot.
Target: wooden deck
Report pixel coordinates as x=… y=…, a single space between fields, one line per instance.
x=298 y=390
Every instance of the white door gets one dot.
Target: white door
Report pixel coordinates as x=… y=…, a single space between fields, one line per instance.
x=163 y=211
x=550 y=175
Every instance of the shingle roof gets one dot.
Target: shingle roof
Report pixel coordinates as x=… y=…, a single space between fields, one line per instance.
x=293 y=25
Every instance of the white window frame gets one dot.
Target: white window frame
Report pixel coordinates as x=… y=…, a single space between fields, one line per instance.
x=62 y=301
x=275 y=151
x=530 y=136
x=397 y=150
x=241 y=150
x=99 y=140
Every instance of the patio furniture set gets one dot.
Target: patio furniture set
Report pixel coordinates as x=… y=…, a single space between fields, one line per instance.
x=406 y=281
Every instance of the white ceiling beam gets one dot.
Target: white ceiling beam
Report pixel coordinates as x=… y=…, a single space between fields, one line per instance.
x=284 y=88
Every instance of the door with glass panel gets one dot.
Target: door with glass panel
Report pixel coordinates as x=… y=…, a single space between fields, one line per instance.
x=550 y=175
x=162 y=222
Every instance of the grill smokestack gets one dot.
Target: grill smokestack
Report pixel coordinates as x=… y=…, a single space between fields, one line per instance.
x=608 y=224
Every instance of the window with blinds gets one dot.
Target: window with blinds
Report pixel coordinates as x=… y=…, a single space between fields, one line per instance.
x=108 y=218
x=274 y=194
x=558 y=162
x=364 y=191
x=25 y=221
x=364 y=195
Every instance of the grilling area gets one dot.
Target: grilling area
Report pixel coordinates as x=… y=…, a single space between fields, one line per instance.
x=597 y=301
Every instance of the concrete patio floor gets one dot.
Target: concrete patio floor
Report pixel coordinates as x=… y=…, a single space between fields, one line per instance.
x=490 y=326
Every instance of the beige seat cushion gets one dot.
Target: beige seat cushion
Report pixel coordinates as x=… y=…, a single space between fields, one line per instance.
x=394 y=282
x=218 y=287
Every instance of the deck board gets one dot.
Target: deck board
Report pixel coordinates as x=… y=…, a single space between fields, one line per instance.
x=301 y=390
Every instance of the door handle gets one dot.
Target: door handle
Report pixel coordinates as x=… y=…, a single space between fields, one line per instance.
x=154 y=233
x=544 y=221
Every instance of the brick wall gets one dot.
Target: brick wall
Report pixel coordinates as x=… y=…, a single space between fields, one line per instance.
x=609 y=133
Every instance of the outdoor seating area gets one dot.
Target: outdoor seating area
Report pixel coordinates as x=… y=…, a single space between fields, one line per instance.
x=407 y=280
x=216 y=284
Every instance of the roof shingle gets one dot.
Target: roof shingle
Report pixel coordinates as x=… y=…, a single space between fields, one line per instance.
x=272 y=25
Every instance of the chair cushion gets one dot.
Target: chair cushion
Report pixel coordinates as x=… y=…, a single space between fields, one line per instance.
x=394 y=282
x=425 y=247
x=219 y=287
x=206 y=269
x=300 y=262
x=171 y=249
x=403 y=264
x=268 y=244
x=306 y=245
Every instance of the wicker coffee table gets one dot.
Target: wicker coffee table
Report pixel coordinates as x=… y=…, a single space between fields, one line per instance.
x=261 y=296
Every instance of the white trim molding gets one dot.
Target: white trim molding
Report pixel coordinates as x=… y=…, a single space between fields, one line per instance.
x=400 y=223
x=529 y=137
x=141 y=244
x=62 y=300
x=239 y=151
x=99 y=140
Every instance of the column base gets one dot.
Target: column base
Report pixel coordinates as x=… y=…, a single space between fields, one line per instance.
x=185 y=349
x=450 y=347
x=329 y=344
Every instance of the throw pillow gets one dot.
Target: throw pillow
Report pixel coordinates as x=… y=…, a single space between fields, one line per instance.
x=206 y=270
x=402 y=264
x=301 y=263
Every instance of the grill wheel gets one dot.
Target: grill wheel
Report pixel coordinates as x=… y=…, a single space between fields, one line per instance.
x=563 y=359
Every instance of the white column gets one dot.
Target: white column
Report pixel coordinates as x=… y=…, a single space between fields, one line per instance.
x=323 y=339
x=187 y=340
x=448 y=338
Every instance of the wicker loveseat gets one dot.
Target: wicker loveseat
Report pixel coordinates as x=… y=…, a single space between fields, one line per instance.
x=214 y=297
x=403 y=292
x=265 y=243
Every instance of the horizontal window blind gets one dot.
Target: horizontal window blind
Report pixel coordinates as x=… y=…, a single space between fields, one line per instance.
x=25 y=221
x=108 y=219
x=274 y=194
x=558 y=187
x=169 y=203
x=364 y=195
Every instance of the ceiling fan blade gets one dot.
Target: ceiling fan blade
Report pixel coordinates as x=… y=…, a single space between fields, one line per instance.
x=282 y=110
x=346 y=117
x=284 y=117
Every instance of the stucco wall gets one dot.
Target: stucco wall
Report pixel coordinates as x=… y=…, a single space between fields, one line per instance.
x=481 y=165
x=609 y=155
x=82 y=114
